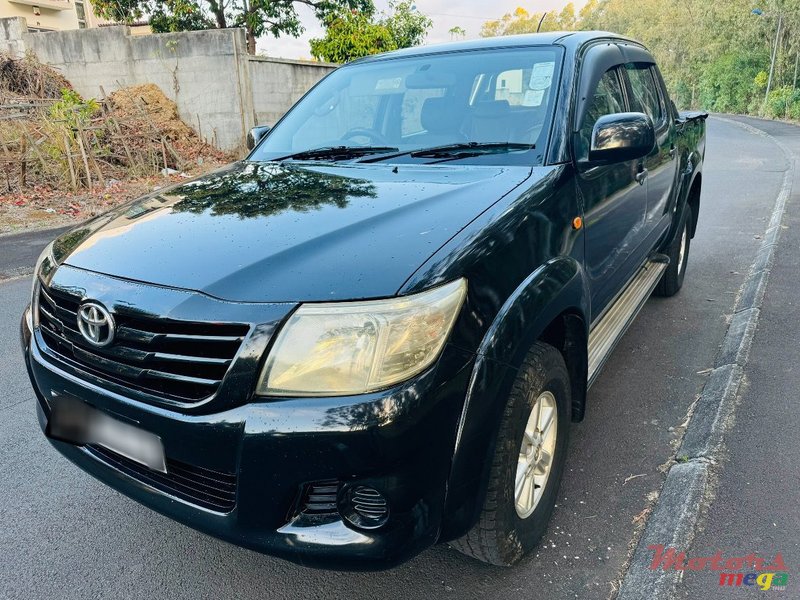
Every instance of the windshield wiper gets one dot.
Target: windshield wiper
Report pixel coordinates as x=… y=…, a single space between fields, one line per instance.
x=336 y=152
x=455 y=151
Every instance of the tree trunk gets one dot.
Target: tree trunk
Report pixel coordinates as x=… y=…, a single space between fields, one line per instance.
x=220 y=16
x=218 y=10
x=251 y=41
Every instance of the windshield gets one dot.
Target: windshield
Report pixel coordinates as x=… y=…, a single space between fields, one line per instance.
x=390 y=109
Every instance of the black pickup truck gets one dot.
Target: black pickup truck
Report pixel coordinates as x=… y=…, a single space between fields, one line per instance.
x=374 y=332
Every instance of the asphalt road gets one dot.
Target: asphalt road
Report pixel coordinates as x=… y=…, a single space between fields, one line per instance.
x=20 y=250
x=62 y=534
x=755 y=509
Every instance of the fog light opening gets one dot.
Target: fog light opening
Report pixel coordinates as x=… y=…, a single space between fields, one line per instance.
x=364 y=507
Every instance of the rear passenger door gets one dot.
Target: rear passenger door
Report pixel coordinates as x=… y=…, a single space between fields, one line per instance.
x=647 y=96
x=614 y=200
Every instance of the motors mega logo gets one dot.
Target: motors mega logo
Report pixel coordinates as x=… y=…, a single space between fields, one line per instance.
x=750 y=570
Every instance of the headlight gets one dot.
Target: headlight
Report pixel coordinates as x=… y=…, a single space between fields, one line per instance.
x=348 y=348
x=46 y=253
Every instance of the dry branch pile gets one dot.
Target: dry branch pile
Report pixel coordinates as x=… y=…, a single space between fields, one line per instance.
x=28 y=78
x=52 y=138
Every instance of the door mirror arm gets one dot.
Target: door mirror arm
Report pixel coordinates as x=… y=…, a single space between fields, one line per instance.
x=256 y=134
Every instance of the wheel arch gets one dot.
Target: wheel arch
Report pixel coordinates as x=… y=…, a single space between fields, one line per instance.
x=693 y=199
x=551 y=305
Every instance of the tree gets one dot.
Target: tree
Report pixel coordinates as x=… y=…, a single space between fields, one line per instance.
x=258 y=17
x=713 y=55
x=521 y=21
x=457 y=33
x=406 y=24
x=351 y=34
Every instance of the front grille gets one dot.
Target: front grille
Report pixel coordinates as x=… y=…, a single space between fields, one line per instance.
x=181 y=360
x=203 y=487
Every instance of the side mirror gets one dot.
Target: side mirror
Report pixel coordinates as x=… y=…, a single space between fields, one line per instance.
x=256 y=134
x=621 y=137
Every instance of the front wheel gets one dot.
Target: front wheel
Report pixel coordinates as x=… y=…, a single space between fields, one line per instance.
x=678 y=252
x=528 y=462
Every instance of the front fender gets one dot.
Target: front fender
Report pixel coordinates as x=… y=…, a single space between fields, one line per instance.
x=555 y=288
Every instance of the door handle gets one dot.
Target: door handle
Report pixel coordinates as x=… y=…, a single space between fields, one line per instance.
x=672 y=152
x=641 y=176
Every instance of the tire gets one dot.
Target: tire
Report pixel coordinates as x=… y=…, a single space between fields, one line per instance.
x=672 y=279
x=502 y=536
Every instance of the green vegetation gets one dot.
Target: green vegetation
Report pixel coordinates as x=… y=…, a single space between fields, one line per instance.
x=457 y=33
x=258 y=17
x=351 y=34
x=713 y=55
x=73 y=110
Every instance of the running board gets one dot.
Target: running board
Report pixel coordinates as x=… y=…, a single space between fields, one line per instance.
x=608 y=331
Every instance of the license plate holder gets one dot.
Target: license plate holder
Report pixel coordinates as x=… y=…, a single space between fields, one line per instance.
x=76 y=422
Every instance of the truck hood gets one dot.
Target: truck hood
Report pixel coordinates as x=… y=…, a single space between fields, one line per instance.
x=274 y=232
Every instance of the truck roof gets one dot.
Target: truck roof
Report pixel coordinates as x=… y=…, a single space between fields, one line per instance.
x=571 y=40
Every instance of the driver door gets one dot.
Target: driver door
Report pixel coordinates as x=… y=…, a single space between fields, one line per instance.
x=614 y=200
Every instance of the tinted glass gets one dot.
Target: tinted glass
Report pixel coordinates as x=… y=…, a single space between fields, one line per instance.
x=607 y=100
x=420 y=102
x=645 y=93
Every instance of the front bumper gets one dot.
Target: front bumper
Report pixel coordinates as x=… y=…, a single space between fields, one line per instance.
x=399 y=442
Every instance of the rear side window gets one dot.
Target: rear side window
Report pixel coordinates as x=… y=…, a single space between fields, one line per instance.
x=607 y=100
x=645 y=92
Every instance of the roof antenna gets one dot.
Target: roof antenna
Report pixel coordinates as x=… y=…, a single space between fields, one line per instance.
x=539 y=26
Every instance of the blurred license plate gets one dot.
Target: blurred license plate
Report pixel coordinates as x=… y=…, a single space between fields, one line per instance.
x=74 y=421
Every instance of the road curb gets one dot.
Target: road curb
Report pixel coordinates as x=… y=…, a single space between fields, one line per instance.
x=735 y=347
x=716 y=403
x=672 y=521
x=57 y=230
x=674 y=516
x=10 y=274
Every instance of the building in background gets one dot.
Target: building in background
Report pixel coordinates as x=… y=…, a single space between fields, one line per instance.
x=59 y=15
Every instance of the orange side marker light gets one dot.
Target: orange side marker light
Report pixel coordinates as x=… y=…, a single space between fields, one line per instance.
x=577 y=223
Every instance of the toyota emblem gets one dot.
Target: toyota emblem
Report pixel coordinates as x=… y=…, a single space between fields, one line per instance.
x=96 y=324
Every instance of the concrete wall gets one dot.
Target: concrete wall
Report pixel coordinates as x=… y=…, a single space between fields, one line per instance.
x=220 y=91
x=296 y=77
x=11 y=32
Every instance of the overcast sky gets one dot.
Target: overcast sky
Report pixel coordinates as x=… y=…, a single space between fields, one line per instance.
x=468 y=14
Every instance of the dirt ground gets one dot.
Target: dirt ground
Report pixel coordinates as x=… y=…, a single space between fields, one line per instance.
x=43 y=208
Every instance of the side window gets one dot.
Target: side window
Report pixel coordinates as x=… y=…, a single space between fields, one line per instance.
x=607 y=100
x=666 y=102
x=646 y=98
